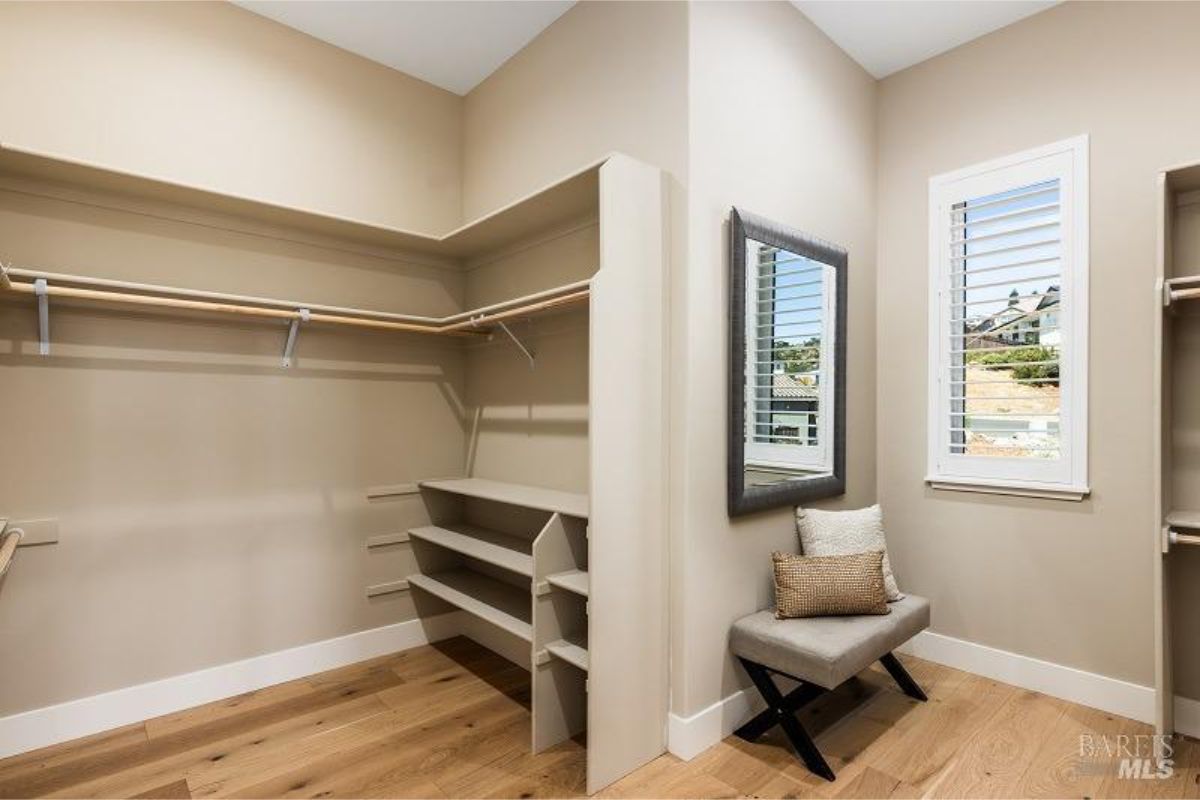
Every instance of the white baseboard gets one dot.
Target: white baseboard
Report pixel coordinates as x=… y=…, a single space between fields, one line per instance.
x=690 y=736
x=1187 y=716
x=40 y=727
x=1066 y=683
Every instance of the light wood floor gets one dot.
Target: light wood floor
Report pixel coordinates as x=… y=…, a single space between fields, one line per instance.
x=451 y=720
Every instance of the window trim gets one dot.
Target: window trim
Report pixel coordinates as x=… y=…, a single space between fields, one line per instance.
x=1068 y=161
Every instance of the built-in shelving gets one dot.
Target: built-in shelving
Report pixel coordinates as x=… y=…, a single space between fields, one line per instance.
x=501 y=604
x=492 y=547
x=571 y=650
x=570 y=503
x=575 y=580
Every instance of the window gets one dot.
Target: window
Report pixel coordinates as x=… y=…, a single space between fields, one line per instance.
x=790 y=311
x=1008 y=324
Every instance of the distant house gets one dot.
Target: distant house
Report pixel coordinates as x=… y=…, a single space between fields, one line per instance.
x=1031 y=320
x=793 y=406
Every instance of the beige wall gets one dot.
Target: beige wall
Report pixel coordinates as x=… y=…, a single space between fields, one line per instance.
x=211 y=95
x=605 y=76
x=212 y=506
x=782 y=124
x=1065 y=582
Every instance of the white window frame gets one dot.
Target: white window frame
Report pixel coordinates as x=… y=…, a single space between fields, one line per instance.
x=1066 y=477
x=818 y=458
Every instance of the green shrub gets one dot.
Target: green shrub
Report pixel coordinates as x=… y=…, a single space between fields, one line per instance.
x=1024 y=372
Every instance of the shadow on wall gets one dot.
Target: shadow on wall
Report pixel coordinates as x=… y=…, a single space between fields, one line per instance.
x=531 y=425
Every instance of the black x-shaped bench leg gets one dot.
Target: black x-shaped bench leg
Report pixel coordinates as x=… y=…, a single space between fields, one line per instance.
x=781 y=710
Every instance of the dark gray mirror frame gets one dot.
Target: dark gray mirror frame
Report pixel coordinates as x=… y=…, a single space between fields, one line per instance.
x=742 y=226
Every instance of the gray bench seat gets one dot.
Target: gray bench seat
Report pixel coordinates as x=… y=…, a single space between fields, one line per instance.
x=827 y=651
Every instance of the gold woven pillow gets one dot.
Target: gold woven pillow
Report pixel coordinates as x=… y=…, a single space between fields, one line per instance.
x=819 y=586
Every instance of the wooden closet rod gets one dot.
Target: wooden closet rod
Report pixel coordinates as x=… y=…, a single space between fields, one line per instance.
x=463 y=323
x=1184 y=294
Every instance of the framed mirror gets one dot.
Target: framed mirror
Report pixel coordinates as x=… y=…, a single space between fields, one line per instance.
x=787 y=371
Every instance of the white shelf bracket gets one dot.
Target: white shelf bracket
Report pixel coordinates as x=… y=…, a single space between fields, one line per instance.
x=41 y=290
x=302 y=315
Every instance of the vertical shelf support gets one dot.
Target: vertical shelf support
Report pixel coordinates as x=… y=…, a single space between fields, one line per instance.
x=302 y=315
x=40 y=289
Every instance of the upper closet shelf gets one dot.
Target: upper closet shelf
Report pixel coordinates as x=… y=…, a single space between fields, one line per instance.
x=574 y=197
x=569 y=503
x=1184 y=520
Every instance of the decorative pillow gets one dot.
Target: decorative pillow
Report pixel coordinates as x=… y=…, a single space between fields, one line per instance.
x=839 y=533
x=822 y=586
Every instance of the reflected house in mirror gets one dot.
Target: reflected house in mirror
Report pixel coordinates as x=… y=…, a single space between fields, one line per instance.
x=787 y=382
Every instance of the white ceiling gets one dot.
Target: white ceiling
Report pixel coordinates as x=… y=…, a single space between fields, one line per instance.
x=454 y=45
x=885 y=36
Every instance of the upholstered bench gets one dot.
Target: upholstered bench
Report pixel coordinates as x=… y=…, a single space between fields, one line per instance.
x=821 y=653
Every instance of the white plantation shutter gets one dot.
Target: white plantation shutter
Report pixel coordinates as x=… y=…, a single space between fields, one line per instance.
x=1008 y=333
x=790 y=301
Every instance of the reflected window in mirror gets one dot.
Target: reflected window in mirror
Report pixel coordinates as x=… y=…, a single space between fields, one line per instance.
x=787 y=372
x=789 y=344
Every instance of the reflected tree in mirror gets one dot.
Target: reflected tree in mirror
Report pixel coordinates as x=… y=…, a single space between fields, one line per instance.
x=787 y=366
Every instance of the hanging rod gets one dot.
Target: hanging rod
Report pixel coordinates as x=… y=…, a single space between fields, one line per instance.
x=1183 y=288
x=466 y=323
x=290 y=305
x=1184 y=294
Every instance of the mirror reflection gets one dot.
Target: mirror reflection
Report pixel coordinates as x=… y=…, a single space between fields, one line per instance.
x=789 y=368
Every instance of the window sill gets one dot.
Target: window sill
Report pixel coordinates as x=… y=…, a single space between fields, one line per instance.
x=1012 y=488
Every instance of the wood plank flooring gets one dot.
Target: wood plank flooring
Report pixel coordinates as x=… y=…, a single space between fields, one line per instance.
x=452 y=720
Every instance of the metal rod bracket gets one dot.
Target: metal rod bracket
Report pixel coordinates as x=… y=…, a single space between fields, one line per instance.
x=302 y=315
x=518 y=343
x=40 y=289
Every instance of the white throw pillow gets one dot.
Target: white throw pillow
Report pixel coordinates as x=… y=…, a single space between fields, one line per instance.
x=843 y=533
